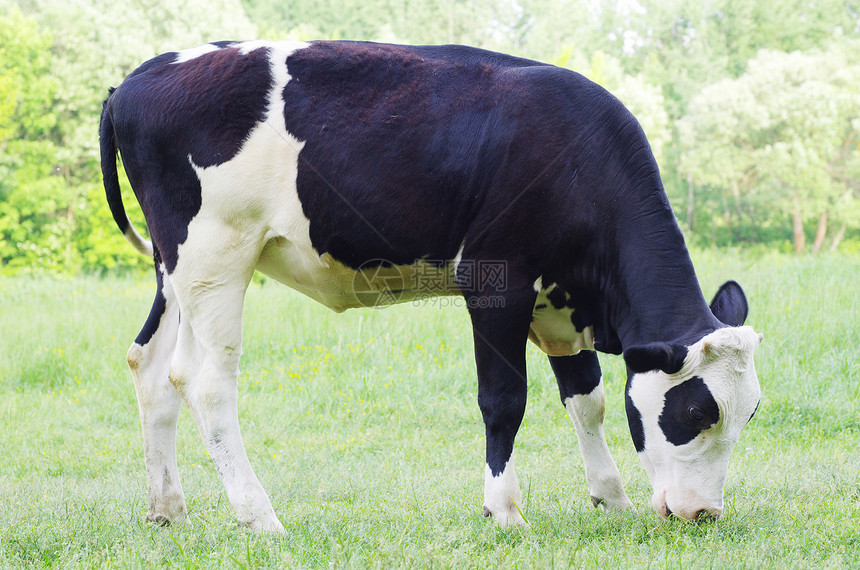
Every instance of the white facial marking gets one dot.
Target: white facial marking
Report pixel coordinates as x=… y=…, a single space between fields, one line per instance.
x=689 y=478
x=502 y=495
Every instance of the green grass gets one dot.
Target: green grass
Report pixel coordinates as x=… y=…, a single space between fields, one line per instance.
x=364 y=429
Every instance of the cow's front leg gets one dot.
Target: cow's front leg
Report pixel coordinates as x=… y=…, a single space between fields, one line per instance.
x=500 y=336
x=580 y=385
x=159 y=405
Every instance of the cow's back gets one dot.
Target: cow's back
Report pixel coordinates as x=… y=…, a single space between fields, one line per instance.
x=375 y=151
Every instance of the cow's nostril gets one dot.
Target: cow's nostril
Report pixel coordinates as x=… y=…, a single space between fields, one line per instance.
x=706 y=515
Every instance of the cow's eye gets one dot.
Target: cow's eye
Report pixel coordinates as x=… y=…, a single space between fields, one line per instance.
x=695 y=414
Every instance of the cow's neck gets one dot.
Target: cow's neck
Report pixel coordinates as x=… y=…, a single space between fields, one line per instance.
x=651 y=292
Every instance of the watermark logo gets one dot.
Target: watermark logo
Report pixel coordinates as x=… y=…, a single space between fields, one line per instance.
x=379 y=283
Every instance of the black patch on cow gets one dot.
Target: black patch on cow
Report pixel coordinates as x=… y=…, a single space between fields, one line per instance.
x=412 y=151
x=557 y=298
x=656 y=356
x=754 y=411
x=634 y=421
x=730 y=304
x=540 y=306
x=689 y=408
x=163 y=113
x=402 y=147
x=158 y=307
x=500 y=337
x=578 y=374
x=586 y=309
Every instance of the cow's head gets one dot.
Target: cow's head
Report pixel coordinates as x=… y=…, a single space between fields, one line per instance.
x=687 y=405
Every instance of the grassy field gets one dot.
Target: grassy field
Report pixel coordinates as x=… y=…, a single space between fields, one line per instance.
x=365 y=430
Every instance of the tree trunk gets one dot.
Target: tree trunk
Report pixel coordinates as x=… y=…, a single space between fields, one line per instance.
x=838 y=238
x=797 y=220
x=820 y=233
x=736 y=194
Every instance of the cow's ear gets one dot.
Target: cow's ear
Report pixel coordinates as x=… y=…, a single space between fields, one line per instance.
x=730 y=304
x=656 y=356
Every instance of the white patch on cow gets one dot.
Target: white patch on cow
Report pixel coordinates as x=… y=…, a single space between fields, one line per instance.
x=552 y=330
x=195 y=52
x=689 y=478
x=604 y=480
x=278 y=49
x=255 y=192
x=502 y=495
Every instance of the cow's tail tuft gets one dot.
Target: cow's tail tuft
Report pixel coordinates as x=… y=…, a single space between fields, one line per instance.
x=111 y=182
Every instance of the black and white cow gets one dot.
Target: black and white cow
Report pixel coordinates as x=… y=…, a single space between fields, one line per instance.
x=317 y=163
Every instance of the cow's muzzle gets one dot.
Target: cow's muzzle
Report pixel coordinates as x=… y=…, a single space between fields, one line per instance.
x=698 y=510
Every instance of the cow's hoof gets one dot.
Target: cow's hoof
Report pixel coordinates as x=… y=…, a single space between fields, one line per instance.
x=164 y=520
x=508 y=515
x=265 y=525
x=614 y=504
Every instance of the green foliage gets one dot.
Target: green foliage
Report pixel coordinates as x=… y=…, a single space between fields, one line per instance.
x=779 y=140
x=32 y=204
x=53 y=214
x=484 y=23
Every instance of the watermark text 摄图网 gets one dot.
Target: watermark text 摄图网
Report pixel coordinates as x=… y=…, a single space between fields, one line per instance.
x=470 y=276
x=482 y=283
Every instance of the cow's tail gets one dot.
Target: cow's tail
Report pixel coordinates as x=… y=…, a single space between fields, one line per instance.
x=111 y=182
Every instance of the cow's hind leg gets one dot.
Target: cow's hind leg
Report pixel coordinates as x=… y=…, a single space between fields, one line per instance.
x=500 y=326
x=159 y=404
x=580 y=385
x=210 y=286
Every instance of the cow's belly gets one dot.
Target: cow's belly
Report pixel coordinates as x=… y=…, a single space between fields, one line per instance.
x=552 y=329
x=339 y=287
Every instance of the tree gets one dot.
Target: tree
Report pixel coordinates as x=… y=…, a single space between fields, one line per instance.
x=492 y=24
x=685 y=45
x=55 y=215
x=31 y=221
x=782 y=141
